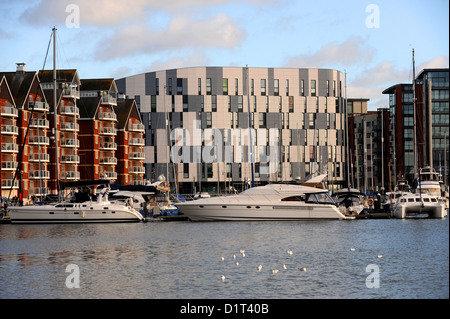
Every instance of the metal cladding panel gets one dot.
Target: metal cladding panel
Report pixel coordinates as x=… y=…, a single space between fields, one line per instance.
x=150 y=83
x=216 y=76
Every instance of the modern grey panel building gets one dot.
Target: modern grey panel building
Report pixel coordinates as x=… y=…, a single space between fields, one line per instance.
x=197 y=125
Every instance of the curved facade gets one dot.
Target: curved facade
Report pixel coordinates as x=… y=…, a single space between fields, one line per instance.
x=197 y=125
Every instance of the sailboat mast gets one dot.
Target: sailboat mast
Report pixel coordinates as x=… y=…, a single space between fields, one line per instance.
x=55 y=116
x=250 y=127
x=415 y=115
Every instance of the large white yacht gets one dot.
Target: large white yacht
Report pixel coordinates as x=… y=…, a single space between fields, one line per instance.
x=272 y=202
x=418 y=205
x=99 y=211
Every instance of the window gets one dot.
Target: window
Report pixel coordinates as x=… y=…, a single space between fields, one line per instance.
x=153 y=103
x=328 y=88
x=313 y=87
x=208 y=86
x=199 y=86
x=170 y=86
x=262 y=120
x=225 y=86
x=287 y=87
x=334 y=88
x=157 y=86
x=276 y=87
x=208 y=119
x=253 y=87
x=302 y=87
x=240 y=103
x=236 y=86
x=263 y=87
x=179 y=86
x=186 y=170
x=214 y=103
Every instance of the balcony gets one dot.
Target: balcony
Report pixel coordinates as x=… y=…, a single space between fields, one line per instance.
x=136 y=128
x=10 y=148
x=39 y=106
x=108 y=146
x=38 y=140
x=71 y=93
x=69 y=126
x=108 y=160
x=107 y=116
x=39 y=191
x=137 y=156
x=69 y=110
x=39 y=175
x=39 y=123
x=137 y=170
x=108 y=99
x=9 y=166
x=137 y=142
x=69 y=175
x=9 y=110
x=70 y=159
x=37 y=157
x=10 y=130
x=7 y=183
x=70 y=142
x=108 y=175
x=106 y=130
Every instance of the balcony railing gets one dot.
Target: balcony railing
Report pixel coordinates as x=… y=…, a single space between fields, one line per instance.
x=136 y=127
x=70 y=143
x=38 y=140
x=108 y=99
x=39 y=123
x=70 y=126
x=7 y=183
x=39 y=157
x=10 y=129
x=39 y=191
x=71 y=92
x=108 y=160
x=105 y=130
x=70 y=175
x=39 y=106
x=10 y=148
x=9 y=166
x=107 y=116
x=9 y=110
x=137 y=141
x=137 y=156
x=137 y=170
x=39 y=175
x=69 y=110
x=108 y=146
x=108 y=175
x=67 y=159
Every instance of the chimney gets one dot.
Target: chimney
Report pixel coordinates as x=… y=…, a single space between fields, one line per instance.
x=20 y=68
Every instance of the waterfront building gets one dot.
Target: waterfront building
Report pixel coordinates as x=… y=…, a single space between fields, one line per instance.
x=66 y=133
x=432 y=124
x=197 y=125
x=24 y=130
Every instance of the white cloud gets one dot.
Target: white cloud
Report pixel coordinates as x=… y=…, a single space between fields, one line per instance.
x=353 y=51
x=182 y=32
x=437 y=62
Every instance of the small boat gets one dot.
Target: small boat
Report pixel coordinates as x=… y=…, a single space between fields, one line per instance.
x=418 y=206
x=350 y=201
x=272 y=202
x=99 y=211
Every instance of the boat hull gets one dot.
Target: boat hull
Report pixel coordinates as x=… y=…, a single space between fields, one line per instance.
x=407 y=211
x=204 y=212
x=49 y=214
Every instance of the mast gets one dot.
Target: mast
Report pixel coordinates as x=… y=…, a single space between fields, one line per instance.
x=55 y=116
x=415 y=116
x=346 y=132
x=250 y=127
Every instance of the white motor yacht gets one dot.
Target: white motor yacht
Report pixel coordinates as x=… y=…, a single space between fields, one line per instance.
x=100 y=211
x=273 y=202
x=418 y=205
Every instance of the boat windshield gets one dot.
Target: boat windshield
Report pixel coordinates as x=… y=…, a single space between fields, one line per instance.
x=319 y=198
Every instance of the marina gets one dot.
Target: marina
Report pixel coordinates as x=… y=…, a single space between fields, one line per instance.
x=183 y=260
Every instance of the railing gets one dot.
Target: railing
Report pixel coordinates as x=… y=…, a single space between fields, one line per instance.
x=69 y=175
x=39 y=175
x=9 y=110
x=10 y=147
x=71 y=92
x=39 y=106
x=39 y=191
x=69 y=110
x=108 y=146
x=9 y=166
x=108 y=116
x=105 y=130
x=10 y=129
x=39 y=140
x=70 y=159
x=136 y=127
x=39 y=157
x=137 y=141
x=108 y=175
x=7 y=183
x=70 y=143
x=137 y=156
x=108 y=99
x=137 y=170
x=39 y=123
x=108 y=160
x=70 y=126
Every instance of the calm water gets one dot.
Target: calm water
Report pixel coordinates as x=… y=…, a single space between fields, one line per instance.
x=183 y=259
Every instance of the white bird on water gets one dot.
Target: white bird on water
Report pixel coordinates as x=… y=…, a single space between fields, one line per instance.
x=284 y=267
x=302 y=269
x=234 y=256
x=352 y=249
x=223 y=278
x=274 y=271
x=223 y=258
x=289 y=252
x=242 y=251
x=237 y=263
x=380 y=256
x=259 y=267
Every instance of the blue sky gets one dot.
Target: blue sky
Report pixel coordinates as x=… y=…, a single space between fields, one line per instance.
x=370 y=40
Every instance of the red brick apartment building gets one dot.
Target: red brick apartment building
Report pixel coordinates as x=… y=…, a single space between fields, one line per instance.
x=98 y=138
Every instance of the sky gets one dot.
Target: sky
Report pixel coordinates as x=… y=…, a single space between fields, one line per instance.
x=371 y=41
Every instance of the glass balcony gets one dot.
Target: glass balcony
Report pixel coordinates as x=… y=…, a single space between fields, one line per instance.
x=137 y=156
x=39 y=175
x=70 y=175
x=10 y=130
x=7 y=183
x=136 y=127
x=108 y=175
x=71 y=93
x=106 y=130
x=70 y=126
x=69 y=110
x=67 y=159
x=10 y=148
x=108 y=160
x=39 y=106
x=108 y=99
x=37 y=157
x=69 y=142
x=108 y=146
x=39 y=191
x=39 y=123
x=8 y=110
x=107 y=116
x=9 y=166
x=137 y=141
x=38 y=140
x=137 y=170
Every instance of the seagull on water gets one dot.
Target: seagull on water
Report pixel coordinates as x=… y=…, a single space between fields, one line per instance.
x=234 y=256
x=223 y=258
x=274 y=271
x=284 y=267
x=289 y=252
x=352 y=249
x=380 y=256
x=259 y=267
x=223 y=278
x=302 y=269
x=237 y=263
x=242 y=251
